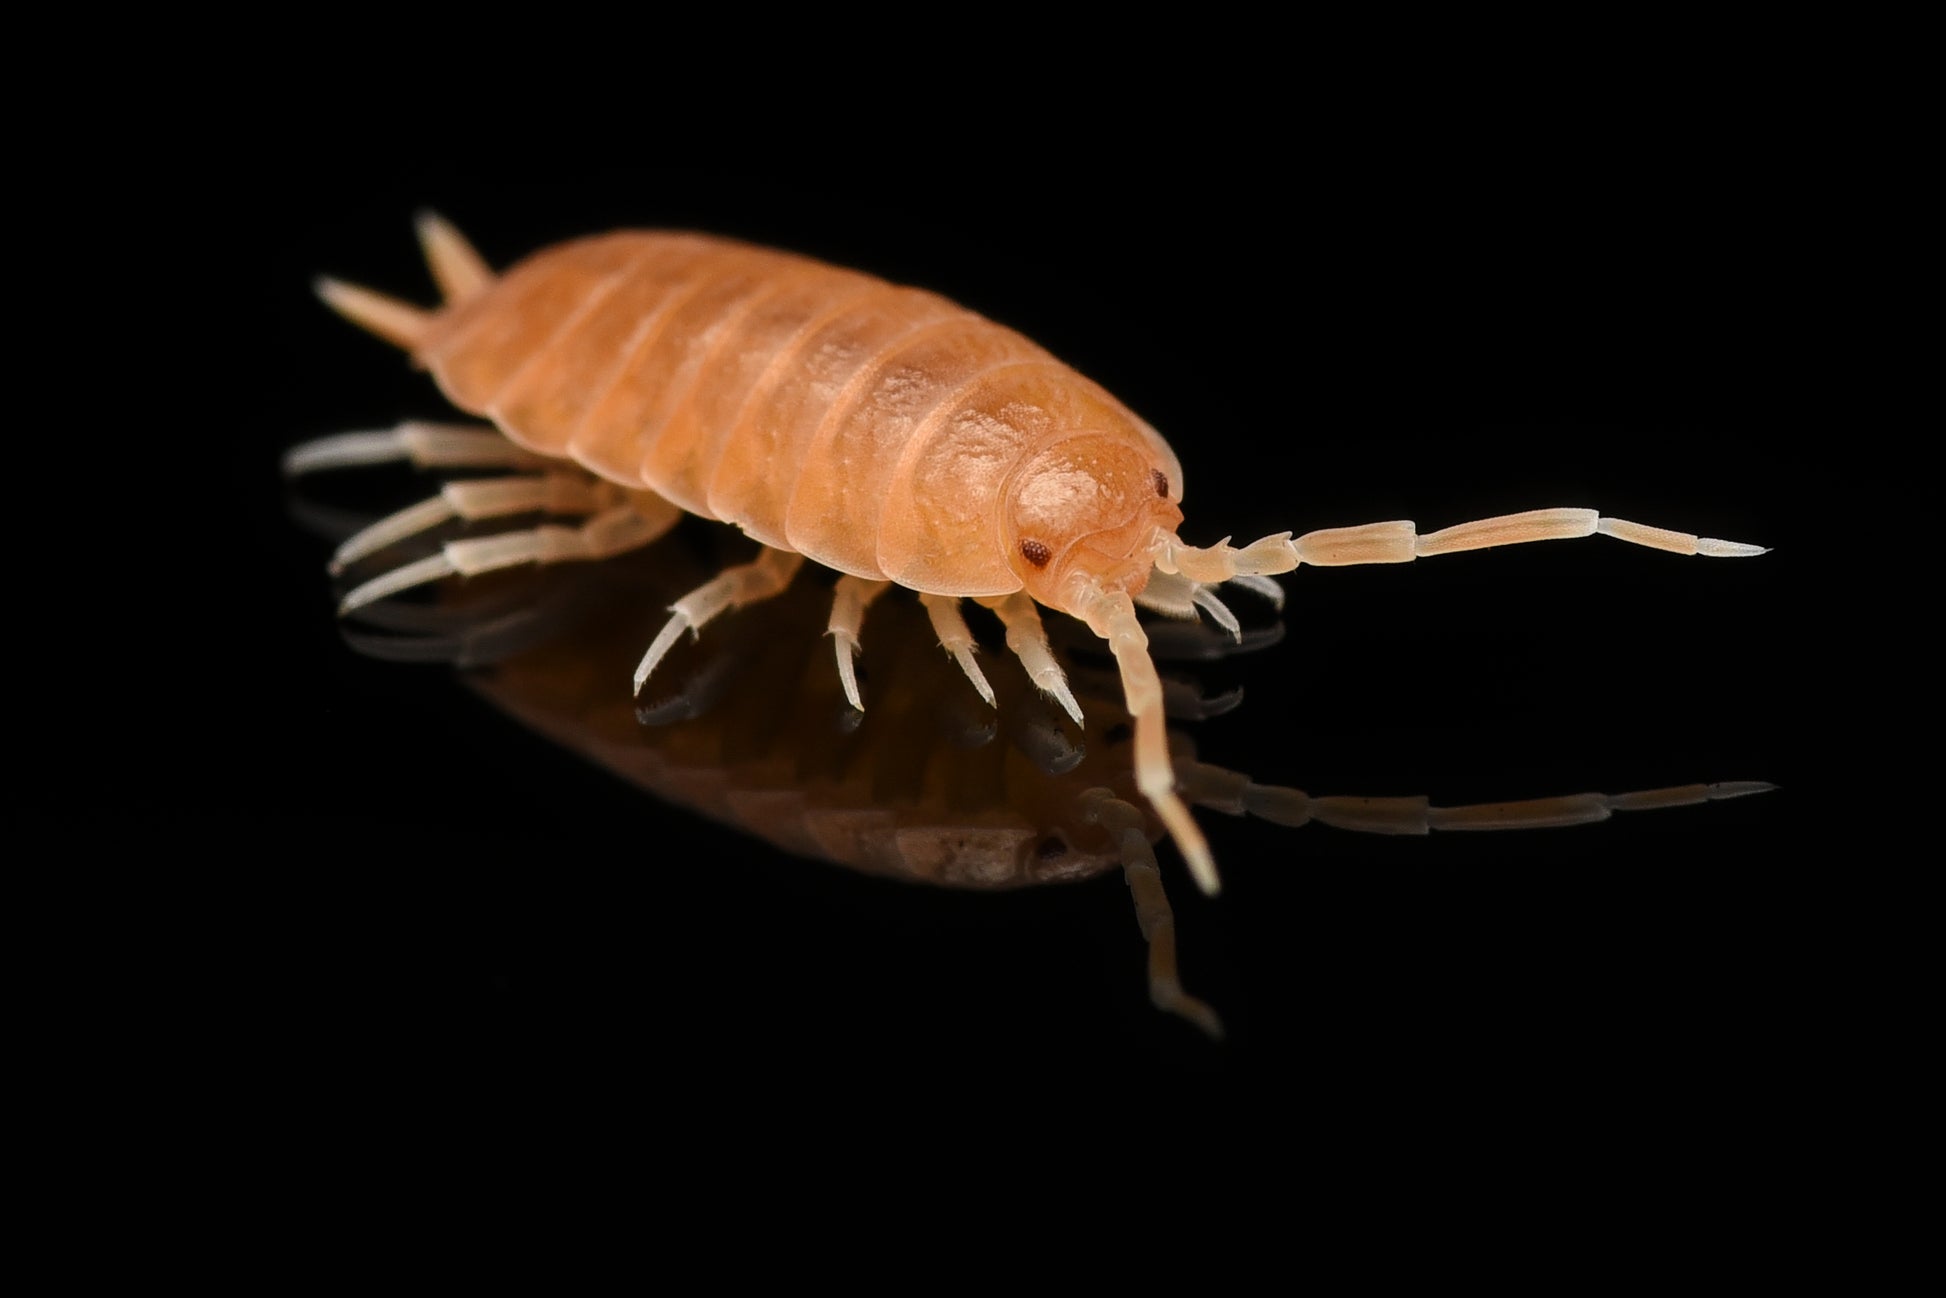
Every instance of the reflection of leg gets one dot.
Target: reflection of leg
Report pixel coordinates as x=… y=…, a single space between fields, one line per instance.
x=429 y=446
x=746 y=583
x=611 y=532
x=956 y=639
x=1152 y=911
x=848 y=604
x=553 y=493
x=1028 y=639
x=1158 y=923
x=1237 y=795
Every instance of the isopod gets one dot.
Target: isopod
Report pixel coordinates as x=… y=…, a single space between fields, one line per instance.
x=881 y=431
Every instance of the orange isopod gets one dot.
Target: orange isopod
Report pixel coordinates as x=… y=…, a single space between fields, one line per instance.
x=882 y=431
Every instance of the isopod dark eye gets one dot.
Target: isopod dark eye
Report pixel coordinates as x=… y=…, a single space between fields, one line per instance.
x=1161 y=483
x=1035 y=553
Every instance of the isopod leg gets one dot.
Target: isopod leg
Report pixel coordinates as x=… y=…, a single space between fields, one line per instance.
x=956 y=640
x=1028 y=639
x=611 y=532
x=1401 y=542
x=848 y=604
x=1261 y=587
x=746 y=583
x=428 y=446
x=1170 y=594
x=1112 y=617
x=552 y=493
x=1174 y=595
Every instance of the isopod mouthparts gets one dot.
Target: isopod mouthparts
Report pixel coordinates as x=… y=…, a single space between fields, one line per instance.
x=881 y=431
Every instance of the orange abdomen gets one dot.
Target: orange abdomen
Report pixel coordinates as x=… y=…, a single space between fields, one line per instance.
x=869 y=427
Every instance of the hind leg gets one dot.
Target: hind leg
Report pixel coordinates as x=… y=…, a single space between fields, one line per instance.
x=613 y=531
x=552 y=493
x=426 y=445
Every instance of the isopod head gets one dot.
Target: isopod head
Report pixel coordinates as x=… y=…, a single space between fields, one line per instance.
x=1084 y=515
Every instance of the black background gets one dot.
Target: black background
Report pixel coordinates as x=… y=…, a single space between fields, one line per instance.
x=1339 y=333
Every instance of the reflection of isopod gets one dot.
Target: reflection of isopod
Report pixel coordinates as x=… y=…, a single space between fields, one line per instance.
x=882 y=431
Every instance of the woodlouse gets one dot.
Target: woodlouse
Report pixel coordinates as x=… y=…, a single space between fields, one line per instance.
x=881 y=431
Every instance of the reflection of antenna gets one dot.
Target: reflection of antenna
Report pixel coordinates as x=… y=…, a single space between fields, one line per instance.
x=923 y=785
